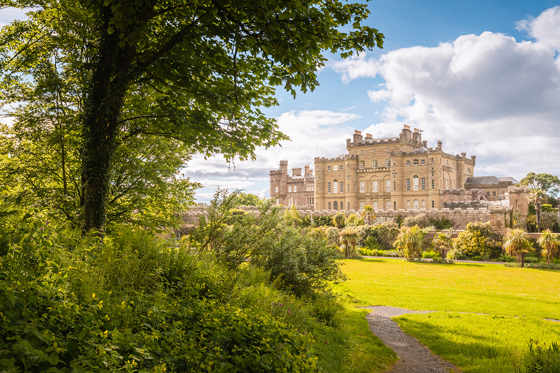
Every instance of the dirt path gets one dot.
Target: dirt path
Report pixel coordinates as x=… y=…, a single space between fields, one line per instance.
x=415 y=357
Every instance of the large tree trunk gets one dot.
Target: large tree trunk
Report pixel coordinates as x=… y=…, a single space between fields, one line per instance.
x=100 y=123
x=538 y=213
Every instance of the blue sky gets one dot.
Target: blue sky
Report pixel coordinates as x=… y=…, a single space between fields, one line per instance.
x=482 y=76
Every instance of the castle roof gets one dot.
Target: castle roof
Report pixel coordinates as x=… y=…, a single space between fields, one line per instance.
x=482 y=180
x=508 y=179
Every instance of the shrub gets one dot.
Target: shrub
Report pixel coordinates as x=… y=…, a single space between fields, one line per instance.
x=333 y=235
x=292 y=217
x=326 y=221
x=354 y=220
x=442 y=223
x=506 y=258
x=430 y=254
x=409 y=242
x=549 y=220
x=338 y=220
x=420 y=220
x=479 y=240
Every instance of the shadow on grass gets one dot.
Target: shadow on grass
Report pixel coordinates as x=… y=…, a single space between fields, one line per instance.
x=372 y=260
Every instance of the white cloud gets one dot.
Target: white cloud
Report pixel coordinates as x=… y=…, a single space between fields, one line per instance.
x=545 y=28
x=312 y=133
x=488 y=95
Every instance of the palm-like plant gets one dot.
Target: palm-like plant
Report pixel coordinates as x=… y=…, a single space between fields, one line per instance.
x=409 y=241
x=368 y=214
x=550 y=242
x=443 y=243
x=349 y=237
x=536 y=196
x=339 y=219
x=517 y=244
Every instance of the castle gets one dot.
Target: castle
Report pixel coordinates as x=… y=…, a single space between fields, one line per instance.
x=396 y=173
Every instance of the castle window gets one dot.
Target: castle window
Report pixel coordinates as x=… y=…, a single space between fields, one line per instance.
x=453 y=165
x=433 y=204
x=388 y=163
x=335 y=167
x=374 y=163
x=407 y=184
x=423 y=204
x=423 y=183
x=415 y=182
x=341 y=167
x=394 y=163
x=282 y=187
x=394 y=185
x=289 y=189
x=374 y=185
x=362 y=186
x=348 y=206
x=348 y=187
x=282 y=179
x=433 y=185
x=276 y=189
x=295 y=188
x=375 y=205
x=407 y=205
x=423 y=162
x=328 y=188
x=446 y=162
x=387 y=205
x=395 y=205
x=362 y=165
x=341 y=187
x=328 y=168
x=469 y=171
x=493 y=194
x=335 y=186
x=329 y=205
x=387 y=185
x=432 y=163
x=408 y=163
x=415 y=162
x=416 y=205
x=335 y=205
x=362 y=205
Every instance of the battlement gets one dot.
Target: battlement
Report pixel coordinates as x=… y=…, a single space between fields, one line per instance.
x=345 y=157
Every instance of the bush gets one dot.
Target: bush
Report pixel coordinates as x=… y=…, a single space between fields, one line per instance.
x=549 y=220
x=379 y=236
x=354 y=220
x=540 y=359
x=506 y=258
x=430 y=254
x=529 y=259
x=325 y=221
x=479 y=240
x=420 y=220
x=442 y=223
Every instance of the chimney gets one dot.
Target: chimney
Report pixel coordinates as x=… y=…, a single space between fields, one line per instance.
x=296 y=171
x=464 y=155
x=357 y=136
x=369 y=136
x=407 y=133
x=439 y=144
x=425 y=143
x=307 y=171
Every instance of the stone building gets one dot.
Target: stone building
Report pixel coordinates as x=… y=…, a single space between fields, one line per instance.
x=295 y=189
x=389 y=173
x=494 y=187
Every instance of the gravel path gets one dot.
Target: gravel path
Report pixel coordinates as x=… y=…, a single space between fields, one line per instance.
x=415 y=357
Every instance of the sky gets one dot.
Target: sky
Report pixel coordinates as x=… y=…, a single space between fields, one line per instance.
x=481 y=76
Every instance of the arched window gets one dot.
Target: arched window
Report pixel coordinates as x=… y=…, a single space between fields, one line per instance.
x=329 y=205
x=416 y=204
x=335 y=205
x=423 y=204
x=408 y=205
x=335 y=186
x=415 y=182
x=341 y=205
x=375 y=186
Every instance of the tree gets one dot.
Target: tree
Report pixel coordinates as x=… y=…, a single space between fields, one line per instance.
x=549 y=184
x=517 y=244
x=349 y=238
x=368 y=214
x=247 y=199
x=443 y=242
x=194 y=71
x=537 y=196
x=338 y=220
x=410 y=240
x=550 y=242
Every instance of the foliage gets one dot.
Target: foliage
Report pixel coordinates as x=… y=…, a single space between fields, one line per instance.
x=333 y=235
x=349 y=237
x=292 y=217
x=368 y=213
x=379 y=236
x=354 y=220
x=409 y=242
x=538 y=265
x=443 y=243
x=531 y=223
x=421 y=220
x=338 y=220
x=247 y=199
x=431 y=254
x=517 y=244
x=506 y=258
x=323 y=221
x=399 y=220
x=550 y=242
x=442 y=223
x=478 y=239
x=549 y=184
x=541 y=358
x=549 y=220
x=195 y=72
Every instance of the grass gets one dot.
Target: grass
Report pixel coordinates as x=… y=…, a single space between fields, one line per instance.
x=462 y=287
x=515 y=300
x=479 y=343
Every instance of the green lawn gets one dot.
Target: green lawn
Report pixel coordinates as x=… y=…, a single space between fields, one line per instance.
x=516 y=300
x=481 y=288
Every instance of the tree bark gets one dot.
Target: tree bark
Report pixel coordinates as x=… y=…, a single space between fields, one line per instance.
x=103 y=106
